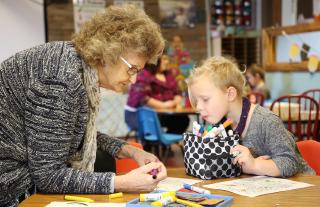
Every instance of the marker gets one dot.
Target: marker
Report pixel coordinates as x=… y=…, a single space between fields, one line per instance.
x=155 y=196
x=188 y=203
x=154 y=173
x=116 y=195
x=235 y=154
x=164 y=201
x=195 y=128
x=196 y=189
x=77 y=198
x=221 y=129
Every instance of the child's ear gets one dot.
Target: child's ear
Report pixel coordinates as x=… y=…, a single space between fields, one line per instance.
x=232 y=93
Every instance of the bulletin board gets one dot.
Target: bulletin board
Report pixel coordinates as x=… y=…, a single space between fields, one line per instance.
x=291 y=48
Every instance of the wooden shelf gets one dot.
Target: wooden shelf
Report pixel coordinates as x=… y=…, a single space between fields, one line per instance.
x=246 y=50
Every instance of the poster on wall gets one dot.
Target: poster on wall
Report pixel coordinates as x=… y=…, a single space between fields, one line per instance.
x=137 y=3
x=177 y=13
x=83 y=10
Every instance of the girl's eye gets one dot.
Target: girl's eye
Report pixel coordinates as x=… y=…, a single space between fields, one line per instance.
x=205 y=99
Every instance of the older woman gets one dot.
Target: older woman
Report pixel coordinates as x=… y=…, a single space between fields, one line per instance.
x=49 y=99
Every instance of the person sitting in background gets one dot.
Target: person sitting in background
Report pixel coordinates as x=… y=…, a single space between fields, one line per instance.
x=177 y=53
x=49 y=102
x=255 y=78
x=156 y=87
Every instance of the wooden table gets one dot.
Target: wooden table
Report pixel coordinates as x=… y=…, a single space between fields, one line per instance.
x=294 y=198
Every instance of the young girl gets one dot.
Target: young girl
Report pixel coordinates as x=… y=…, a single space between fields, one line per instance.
x=267 y=148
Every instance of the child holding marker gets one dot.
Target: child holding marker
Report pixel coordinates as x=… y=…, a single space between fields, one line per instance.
x=216 y=90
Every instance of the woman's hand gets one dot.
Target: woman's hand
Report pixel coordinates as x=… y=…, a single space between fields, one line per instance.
x=140 y=156
x=140 y=179
x=169 y=104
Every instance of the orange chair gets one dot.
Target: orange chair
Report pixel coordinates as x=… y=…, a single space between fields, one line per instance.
x=256 y=98
x=310 y=151
x=127 y=164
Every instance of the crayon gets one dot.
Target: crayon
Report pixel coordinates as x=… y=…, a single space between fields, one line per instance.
x=116 y=195
x=196 y=189
x=77 y=198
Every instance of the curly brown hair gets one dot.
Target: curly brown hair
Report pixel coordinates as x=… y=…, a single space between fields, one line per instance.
x=113 y=32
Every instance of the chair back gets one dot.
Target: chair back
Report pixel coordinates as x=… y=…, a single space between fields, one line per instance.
x=299 y=113
x=127 y=164
x=314 y=93
x=149 y=124
x=310 y=151
x=256 y=98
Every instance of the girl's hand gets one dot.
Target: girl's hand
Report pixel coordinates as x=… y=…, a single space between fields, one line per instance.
x=140 y=179
x=244 y=158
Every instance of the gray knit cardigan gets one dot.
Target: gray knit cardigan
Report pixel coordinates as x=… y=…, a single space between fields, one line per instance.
x=43 y=116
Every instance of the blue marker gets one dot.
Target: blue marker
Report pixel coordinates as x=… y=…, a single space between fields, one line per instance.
x=196 y=189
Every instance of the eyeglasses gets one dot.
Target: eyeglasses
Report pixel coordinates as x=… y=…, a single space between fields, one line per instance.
x=132 y=69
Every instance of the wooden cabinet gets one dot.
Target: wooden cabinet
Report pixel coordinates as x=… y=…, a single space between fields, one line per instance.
x=246 y=50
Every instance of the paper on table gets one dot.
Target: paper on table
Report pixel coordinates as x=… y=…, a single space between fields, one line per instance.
x=257 y=185
x=174 y=184
x=84 y=204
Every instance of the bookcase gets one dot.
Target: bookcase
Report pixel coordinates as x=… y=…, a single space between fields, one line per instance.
x=246 y=50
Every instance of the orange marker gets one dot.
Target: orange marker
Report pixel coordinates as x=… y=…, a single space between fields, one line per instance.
x=227 y=123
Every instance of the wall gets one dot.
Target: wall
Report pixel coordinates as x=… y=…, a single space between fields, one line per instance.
x=22 y=25
x=60 y=26
x=291 y=83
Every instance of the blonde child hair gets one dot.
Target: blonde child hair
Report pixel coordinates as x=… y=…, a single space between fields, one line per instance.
x=224 y=73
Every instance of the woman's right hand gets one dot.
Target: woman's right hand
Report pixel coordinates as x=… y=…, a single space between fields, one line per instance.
x=169 y=104
x=140 y=179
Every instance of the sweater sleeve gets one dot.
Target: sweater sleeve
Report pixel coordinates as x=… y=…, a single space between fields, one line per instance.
x=51 y=111
x=281 y=146
x=109 y=144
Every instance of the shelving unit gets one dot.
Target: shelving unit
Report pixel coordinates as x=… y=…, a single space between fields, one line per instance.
x=246 y=50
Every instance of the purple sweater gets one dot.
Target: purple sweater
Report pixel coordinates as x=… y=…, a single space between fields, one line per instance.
x=148 y=86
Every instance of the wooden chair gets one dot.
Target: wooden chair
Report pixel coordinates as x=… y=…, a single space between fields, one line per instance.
x=127 y=164
x=314 y=93
x=310 y=151
x=299 y=113
x=256 y=98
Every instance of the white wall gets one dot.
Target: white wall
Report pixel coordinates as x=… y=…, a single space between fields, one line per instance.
x=22 y=25
x=281 y=83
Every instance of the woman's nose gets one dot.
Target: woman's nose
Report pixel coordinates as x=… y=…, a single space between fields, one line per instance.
x=133 y=78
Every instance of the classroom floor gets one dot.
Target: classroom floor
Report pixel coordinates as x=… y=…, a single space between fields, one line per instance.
x=176 y=160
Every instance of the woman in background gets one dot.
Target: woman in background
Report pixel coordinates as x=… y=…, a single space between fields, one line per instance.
x=255 y=77
x=157 y=88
